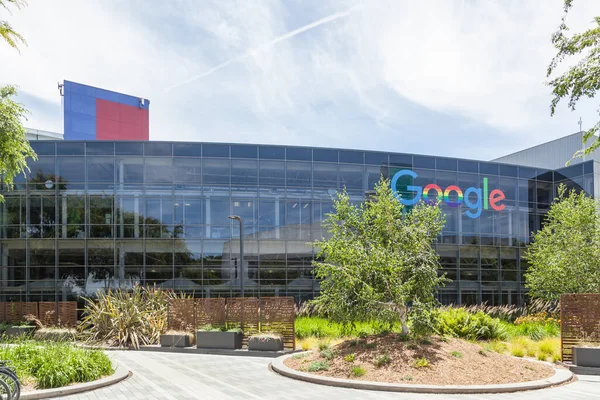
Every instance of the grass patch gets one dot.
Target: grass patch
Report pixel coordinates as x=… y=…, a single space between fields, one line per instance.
x=323 y=346
x=323 y=328
x=350 y=357
x=299 y=356
x=358 y=371
x=56 y=364
x=456 y=354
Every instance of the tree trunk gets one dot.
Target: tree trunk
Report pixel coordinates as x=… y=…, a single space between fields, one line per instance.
x=403 y=319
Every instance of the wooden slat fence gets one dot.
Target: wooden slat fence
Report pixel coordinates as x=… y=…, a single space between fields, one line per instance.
x=278 y=314
x=252 y=315
x=579 y=321
x=13 y=312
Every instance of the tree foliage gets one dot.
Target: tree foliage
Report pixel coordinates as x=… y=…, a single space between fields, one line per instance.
x=14 y=146
x=379 y=262
x=6 y=31
x=583 y=78
x=564 y=255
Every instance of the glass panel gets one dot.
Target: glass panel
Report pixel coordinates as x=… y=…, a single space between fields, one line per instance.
x=188 y=211
x=244 y=151
x=468 y=166
x=71 y=169
x=424 y=162
x=67 y=148
x=101 y=169
x=100 y=148
x=159 y=170
x=327 y=155
x=157 y=149
x=351 y=177
x=447 y=164
x=488 y=168
x=187 y=149
x=216 y=172
x=272 y=174
x=159 y=211
x=271 y=152
x=130 y=169
x=159 y=252
x=325 y=175
x=376 y=158
x=215 y=150
x=271 y=213
x=41 y=252
x=43 y=148
x=244 y=172
x=401 y=160
x=299 y=154
x=188 y=170
x=351 y=157
x=298 y=174
x=42 y=169
x=129 y=148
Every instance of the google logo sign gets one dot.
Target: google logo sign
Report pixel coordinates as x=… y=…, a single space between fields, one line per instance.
x=476 y=199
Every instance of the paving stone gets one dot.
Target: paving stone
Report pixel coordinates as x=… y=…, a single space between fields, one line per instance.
x=197 y=376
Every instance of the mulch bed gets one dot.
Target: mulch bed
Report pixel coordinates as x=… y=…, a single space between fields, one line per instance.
x=449 y=362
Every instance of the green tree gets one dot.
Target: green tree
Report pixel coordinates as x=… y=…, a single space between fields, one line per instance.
x=379 y=262
x=581 y=79
x=6 y=31
x=14 y=146
x=564 y=254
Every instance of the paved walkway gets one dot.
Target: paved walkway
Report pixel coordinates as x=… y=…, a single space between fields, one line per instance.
x=194 y=376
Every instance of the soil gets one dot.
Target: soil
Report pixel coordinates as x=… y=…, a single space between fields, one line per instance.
x=449 y=362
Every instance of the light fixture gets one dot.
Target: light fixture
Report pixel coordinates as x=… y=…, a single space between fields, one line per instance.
x=295 y=204
x=305 y=205
x=49 y=184
x=187 y=204
x=236 y=203
x=249 y=204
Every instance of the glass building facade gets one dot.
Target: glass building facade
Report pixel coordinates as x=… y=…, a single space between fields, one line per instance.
x=93 y=215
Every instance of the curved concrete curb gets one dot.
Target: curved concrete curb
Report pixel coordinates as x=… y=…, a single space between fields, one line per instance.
x=120 y=374
x=560 y=376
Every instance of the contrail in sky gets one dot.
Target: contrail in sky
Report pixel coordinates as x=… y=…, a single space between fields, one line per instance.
x=264 y=46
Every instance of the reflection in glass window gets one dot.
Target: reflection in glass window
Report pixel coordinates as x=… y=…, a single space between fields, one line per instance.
x=71 y=169
x=272 y=174
x=188 y=211
x=244 y=172
x=159 y=170
x=187 y=170
x=101 y=169
x=271 y=213
x=130 y=169
x=216 y=172
x=351 y=176
x=42 y=169
x=159 y=211
x=219 y=211
x=298 y=174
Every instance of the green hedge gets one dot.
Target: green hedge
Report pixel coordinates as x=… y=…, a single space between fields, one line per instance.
x=54 y=364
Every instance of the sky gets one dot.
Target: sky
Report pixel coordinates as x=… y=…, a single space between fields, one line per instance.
x=460 y=78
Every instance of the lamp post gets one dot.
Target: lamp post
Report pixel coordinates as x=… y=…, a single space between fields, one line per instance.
x=241 y=221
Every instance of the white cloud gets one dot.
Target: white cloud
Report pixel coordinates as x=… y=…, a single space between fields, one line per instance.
x=473 y=64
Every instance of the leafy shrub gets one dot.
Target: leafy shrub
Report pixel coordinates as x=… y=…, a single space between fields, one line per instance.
x=421 y=363
x=549 y=349
x=327 y=354
x=382 y=359
x=457 y=354
x=358 y=371
x=299 y=356
x=350 y=357
x=458 y=322
x=52 y=364
x=125 y=318
x=316 y=366
x=538 y=318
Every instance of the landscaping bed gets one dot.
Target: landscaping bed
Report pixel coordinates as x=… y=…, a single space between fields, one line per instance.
x=437 y=361
x=44 y=365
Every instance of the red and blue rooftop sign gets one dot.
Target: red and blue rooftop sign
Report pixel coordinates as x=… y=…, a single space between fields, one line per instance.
x=91 y=113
